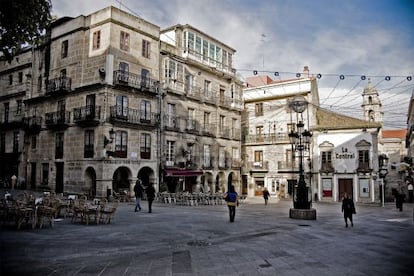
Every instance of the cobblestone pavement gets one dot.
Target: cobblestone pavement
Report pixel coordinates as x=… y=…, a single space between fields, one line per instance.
x=200 y=240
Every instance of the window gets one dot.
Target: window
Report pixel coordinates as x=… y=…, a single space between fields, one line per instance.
x=145 y=112
x=64 y=50
x=123 y=72
x=259 y=134
x=124 y=41
x=60 y=116
x=170 y=154
x=259 y=109
x=222 y=123
x=145 y=146
x=207 y=87
x=2 y=142
x=20 y=77
x=16 y=138
x=364 y=187
x=45 y=174
x=206 y=156
x=121 y=144
x=59 y=146
x=146 y=48
x=234 y=124
x=191 y=124
x=206 y=120
x=205 y=50
x=363 y=159
x=190 y=42
x=222 y=157
x=6 y=112
x=88 y=151
x=189 y=83
x=39 y=84
x=122 y=107
x=290 y=161
x=326 y=187
x=10 y=79
x=170 y=119
x=19 y=107
x=34 y=142
x=96 y=40
x=258 y=158
x=326 y=160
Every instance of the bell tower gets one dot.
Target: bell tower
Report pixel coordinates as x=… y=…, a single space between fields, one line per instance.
x=371 y=104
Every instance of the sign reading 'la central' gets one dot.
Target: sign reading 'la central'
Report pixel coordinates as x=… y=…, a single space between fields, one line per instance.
x=344 y=154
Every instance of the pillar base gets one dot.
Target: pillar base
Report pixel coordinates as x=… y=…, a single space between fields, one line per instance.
x=307 y=214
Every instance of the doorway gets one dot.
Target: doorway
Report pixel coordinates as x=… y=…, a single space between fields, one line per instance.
x=345 y=186
x=59 y=177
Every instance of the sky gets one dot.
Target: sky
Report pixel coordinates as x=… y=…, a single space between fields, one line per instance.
x=343 y=41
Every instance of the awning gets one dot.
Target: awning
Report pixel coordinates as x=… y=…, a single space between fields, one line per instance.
x=179 y=173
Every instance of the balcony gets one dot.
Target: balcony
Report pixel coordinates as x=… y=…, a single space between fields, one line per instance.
x=135 y=81
x=209 y=96
x=327 y=167
x=13 y=119
x=273 y=138
x=193 y=92
x=224 y=133
x=258 y=165
x=209 y=130
x=58 y=86
x=33 y=124
x=363 y=167
x=209 y=163
x=133 y=117
x=58 y=119
x=192 y=126
x=172 y=123
x=87 y=115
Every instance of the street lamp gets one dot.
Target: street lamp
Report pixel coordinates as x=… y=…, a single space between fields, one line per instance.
x=300 y=140
x=383 y=171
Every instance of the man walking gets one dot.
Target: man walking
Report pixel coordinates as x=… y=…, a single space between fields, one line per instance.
x=138 y=194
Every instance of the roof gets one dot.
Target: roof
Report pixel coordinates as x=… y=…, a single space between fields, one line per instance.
x=394 y=133
x=329 y=120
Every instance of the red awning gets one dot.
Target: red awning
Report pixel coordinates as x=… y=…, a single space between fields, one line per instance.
x=179 y=173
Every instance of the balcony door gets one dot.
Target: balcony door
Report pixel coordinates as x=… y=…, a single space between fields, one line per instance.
x=90 y=106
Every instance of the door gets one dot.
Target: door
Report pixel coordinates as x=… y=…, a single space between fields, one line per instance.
x=90 y=106
x=345 y=186
x=33 y=176
x=59 y=177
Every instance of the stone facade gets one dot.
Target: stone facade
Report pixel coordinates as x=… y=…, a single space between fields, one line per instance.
x=95 y=104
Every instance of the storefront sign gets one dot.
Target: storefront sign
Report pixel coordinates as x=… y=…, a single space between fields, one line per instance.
x=344 y=154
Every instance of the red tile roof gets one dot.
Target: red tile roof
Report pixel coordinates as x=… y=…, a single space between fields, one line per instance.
x=394 y=133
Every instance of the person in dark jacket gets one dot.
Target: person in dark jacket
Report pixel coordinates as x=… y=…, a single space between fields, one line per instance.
x=266 y=195
x=150 y=196
x=231 y=198
x=348 y=208
x=138 y=194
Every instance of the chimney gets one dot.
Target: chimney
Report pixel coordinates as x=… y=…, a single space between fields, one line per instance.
x=306 y=71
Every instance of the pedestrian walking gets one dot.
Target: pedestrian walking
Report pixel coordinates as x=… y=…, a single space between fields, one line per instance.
x=348 y=208
x=150 y=196
x=266 y=195
x=399 y=200
x=138 y=194
x=410 y=192
x=231 y=197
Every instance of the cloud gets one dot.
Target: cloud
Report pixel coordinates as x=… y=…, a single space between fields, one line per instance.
x=331 y=37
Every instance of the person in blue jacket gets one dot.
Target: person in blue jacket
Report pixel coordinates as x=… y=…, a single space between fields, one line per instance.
x=231 y=198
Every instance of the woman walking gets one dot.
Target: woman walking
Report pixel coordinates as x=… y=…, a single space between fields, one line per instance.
x=348 y=208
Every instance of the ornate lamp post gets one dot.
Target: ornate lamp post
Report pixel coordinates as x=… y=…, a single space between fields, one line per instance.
x=383 y=171
x=300 y=140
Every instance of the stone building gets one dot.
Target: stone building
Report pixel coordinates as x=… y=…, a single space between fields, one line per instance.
x=267 y=121
x=100 y=104
x=16 y=85
x=343 y=153
x=201 y=112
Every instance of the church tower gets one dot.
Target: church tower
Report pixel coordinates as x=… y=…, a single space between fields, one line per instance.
x=371 y=104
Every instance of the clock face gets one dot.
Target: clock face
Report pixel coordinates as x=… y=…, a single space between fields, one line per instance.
x=298 y=104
